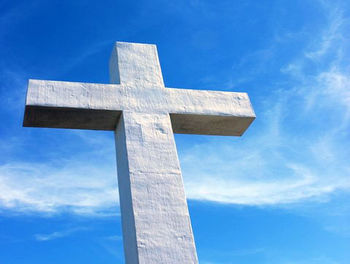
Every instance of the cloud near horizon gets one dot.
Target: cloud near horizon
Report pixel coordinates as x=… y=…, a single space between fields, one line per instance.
x=81 y=189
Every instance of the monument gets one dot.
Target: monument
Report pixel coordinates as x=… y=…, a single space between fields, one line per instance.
x=144 y=115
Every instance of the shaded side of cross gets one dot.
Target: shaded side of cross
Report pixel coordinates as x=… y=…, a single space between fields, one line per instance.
x=144 y=115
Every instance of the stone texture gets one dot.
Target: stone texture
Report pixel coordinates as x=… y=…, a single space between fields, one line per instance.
x=216 y=113
x=144 y=114
x=155 y=217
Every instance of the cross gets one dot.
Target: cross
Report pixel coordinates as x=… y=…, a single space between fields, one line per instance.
x=144 y=115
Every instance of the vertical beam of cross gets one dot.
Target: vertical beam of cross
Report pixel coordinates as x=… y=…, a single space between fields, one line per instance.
x=155 y=218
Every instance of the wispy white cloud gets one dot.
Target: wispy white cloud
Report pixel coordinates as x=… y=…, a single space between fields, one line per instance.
x=75 y=187
x=58 y=234
x=330 y=38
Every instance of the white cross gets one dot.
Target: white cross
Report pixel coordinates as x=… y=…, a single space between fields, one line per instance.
x=144 y=115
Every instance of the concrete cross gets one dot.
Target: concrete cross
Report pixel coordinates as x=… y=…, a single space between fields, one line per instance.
x=144 y=115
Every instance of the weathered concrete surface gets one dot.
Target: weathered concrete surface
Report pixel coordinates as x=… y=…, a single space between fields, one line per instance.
x=217 y=113
x=155 y=217
x=136 y=65
x=144 y=114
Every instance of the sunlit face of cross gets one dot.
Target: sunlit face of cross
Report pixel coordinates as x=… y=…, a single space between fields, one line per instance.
x=144 y=114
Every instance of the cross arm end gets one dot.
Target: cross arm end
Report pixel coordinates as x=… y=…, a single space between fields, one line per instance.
x=210 y=112
x=58 y=104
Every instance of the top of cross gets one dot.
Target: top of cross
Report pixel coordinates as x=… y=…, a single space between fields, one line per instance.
x=135 y=64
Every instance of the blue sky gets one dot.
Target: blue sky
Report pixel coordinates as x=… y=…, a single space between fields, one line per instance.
x=278 y=195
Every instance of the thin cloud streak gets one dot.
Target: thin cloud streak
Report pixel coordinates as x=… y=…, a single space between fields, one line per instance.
x=57 y=234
